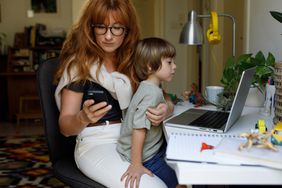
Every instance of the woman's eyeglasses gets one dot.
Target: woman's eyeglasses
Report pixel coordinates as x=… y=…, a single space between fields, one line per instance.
x=115 y=30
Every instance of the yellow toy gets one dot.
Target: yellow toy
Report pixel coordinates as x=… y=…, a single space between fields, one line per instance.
x=276 y=134
x=261 y=126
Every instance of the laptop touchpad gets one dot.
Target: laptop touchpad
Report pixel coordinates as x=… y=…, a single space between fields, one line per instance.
x=188 y=116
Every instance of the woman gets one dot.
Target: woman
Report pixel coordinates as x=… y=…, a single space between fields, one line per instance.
x=96 y=57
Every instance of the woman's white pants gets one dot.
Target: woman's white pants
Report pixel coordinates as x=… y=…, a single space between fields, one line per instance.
x=97 y=158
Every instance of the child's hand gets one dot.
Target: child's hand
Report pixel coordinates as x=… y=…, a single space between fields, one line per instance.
x=133 y=175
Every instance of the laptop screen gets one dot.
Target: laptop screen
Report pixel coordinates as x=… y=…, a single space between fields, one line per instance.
x=240 y=97
x=208 y=120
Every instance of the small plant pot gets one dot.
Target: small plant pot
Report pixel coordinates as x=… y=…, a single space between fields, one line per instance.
x=255 y=98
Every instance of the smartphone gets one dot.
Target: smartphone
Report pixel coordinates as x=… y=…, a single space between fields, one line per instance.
x=97 y=95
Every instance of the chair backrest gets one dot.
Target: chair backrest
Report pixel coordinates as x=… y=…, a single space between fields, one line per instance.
x=58 y=145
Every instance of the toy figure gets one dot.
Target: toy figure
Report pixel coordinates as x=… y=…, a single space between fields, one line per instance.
x=194 y=96
x=174 y=98
x=276 y=134
x=260 y=126
x=258 y=140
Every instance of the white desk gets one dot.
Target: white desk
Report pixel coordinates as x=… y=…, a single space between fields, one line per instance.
x=213 y=174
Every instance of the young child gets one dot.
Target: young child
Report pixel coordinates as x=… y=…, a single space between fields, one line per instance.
x=140 y=143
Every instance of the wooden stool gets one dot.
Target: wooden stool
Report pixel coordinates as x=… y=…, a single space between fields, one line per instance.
x=23 y=106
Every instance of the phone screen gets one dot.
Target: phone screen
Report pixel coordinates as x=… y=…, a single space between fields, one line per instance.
x=97 y=95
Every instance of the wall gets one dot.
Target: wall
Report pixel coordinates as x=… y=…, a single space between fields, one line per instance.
x=14 y=17
x=264 y=31
x=175 y=16
x=215 y=56
x=146 y=11
x=77 y=7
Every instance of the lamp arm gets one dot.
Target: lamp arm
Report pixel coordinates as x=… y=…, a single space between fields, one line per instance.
x=233 y=31
x=233 y=27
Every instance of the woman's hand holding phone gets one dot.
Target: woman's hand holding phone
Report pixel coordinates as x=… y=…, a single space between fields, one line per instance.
x=97 y=95
x=93 y=111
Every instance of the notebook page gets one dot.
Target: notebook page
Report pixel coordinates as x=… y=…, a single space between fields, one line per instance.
x=228 y=147
x=189 y=147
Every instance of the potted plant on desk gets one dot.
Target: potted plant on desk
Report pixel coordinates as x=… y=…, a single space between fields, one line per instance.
x=233 y=70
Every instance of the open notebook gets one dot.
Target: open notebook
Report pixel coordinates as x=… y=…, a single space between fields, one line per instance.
x=213 y=148
x=216 y=121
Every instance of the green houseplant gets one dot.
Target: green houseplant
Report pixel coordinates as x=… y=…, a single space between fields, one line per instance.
x=276 y=15
x=233 y=70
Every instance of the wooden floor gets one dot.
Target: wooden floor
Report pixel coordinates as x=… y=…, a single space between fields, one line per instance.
x=26 y=127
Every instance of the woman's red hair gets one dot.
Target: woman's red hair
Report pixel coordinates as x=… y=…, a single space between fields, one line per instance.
x=80 y=49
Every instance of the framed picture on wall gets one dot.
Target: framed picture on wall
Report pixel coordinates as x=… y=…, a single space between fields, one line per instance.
x=44 y=6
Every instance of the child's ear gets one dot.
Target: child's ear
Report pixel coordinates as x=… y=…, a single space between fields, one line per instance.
x=149 y=69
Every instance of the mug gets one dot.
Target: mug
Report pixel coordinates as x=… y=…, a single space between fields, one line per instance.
x=212 y=93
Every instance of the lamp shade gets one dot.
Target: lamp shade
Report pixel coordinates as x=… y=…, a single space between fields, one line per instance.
x=191 y=33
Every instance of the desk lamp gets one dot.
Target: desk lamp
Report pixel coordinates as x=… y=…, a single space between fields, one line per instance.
x=192 y=33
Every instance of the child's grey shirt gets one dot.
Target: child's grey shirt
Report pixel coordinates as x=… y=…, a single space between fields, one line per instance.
x=147 y=95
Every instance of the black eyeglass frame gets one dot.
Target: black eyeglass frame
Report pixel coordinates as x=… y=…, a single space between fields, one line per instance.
x=124 y=29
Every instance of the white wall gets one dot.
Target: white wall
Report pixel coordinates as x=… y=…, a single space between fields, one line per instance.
x=14 y=17
x=77 y=7
x=174 y=18
x=264 y=31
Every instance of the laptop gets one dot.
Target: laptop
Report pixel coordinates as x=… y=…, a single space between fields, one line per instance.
x=216 y=121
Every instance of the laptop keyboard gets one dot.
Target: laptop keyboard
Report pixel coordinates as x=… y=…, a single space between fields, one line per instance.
x=211 y=119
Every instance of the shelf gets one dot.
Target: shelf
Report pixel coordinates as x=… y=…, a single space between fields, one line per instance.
x=47 y=48
x=23 y=60
x=21 y=79
x=17 y=73
x=20 y=57
x=24 y=105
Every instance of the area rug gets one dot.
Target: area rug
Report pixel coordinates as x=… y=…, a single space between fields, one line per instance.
x=24 y=163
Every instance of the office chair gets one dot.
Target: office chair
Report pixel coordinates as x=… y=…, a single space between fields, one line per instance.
x=61 y=148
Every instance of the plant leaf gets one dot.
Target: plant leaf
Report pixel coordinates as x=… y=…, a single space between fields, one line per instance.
x=276 y=15
x=230 y=63
x=244 y=58
x=234 y=68
x=244 y=61
x=259 y=58
x=263 y=71
x=270 y=61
